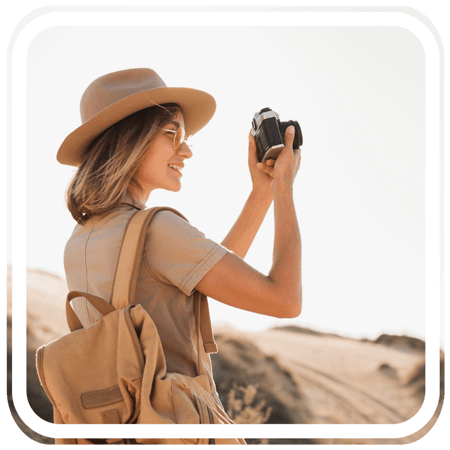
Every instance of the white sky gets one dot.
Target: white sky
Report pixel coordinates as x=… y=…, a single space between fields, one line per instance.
x=359 y=96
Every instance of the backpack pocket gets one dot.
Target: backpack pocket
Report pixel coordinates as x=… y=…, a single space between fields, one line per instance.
x=188 y=407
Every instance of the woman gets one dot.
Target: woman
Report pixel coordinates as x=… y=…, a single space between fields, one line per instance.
x=132 y=141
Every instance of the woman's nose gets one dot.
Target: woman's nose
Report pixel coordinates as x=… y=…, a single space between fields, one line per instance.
x=185 y=151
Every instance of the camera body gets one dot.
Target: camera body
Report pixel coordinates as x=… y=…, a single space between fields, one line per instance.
x=269 y=131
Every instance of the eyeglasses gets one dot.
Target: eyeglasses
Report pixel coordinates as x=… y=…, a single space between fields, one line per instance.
x=179 y=136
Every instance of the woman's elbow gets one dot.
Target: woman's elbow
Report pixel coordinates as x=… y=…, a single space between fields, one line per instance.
x=294 y=310
x=291 y=309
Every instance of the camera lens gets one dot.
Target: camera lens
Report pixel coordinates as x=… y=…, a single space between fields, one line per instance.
x=298 y=138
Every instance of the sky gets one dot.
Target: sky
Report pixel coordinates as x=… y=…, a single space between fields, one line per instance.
x=358 y=93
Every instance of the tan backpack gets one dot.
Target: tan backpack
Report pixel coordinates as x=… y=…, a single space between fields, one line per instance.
x=114 y=371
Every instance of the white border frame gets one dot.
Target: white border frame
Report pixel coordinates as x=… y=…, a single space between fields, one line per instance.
x=227 y=18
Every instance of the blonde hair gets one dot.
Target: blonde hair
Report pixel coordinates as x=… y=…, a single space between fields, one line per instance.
x=111 y=161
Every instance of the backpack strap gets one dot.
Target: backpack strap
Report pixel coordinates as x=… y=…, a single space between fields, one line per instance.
x=204 y=325
x=127 y=271
x=102 y=306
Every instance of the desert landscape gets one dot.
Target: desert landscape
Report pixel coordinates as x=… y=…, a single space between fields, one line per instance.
x=288 y=374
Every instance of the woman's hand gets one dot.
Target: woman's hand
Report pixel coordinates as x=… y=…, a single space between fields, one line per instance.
x=286 y=166
x=261 y=180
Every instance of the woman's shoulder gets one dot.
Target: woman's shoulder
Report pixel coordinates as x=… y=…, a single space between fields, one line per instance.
x=168 y=215
x=168 y=227
x=167 y=222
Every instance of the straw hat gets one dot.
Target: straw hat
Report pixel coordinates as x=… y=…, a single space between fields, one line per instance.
x=114 y=96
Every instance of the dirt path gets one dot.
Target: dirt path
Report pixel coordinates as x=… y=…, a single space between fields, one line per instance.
x=358 y=405
x=341 y=378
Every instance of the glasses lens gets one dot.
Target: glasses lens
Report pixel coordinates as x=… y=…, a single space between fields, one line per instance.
x=190 y=141
x=178 y=139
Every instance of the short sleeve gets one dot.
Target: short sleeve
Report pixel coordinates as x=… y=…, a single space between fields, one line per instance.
x=177 y=253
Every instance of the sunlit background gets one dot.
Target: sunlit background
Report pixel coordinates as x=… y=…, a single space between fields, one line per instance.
x=359 y=96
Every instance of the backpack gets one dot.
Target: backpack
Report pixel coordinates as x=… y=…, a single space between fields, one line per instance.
x=114 y=371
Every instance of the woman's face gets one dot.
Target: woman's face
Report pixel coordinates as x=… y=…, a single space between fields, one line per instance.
x=154 y=171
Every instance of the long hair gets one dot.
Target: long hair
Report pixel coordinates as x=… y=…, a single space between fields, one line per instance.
x=111 y=161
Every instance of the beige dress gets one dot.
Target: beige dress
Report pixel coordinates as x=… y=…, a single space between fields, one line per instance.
x=176 y=257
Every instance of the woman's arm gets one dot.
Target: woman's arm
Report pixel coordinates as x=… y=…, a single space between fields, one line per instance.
x=240 y=237
x=278 y=294
x=243 y=232
x=234 y=282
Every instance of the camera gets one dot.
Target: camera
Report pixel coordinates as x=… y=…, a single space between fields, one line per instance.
x=269 y=131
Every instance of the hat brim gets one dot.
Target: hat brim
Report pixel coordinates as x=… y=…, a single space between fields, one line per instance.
x=198 y=108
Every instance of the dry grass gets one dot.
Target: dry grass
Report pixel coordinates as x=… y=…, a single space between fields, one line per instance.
x=243 y=408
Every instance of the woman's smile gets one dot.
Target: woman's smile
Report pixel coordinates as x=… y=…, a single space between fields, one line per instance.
x=176 y=169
